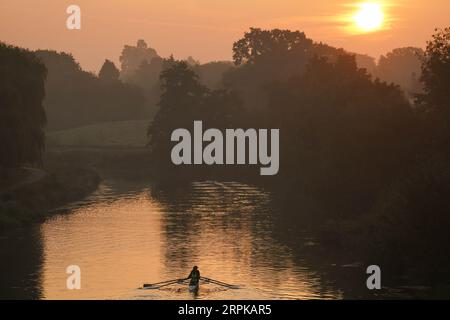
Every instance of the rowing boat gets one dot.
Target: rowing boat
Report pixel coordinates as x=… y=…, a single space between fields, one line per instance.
x=193 y=287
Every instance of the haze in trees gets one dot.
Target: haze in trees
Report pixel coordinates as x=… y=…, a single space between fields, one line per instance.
x=264 y=56
x=402 y=66
x=183 y=100
x=133 y=56
x=76 y=97
x=373 y=163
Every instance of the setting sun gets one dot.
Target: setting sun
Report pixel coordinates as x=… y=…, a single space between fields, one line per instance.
x=369 y=17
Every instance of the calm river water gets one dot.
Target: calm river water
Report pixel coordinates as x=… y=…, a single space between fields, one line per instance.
x=129 y=233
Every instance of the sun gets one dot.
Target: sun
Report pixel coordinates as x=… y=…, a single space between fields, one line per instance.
x=369 y=17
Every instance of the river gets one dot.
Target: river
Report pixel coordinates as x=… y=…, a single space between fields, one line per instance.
x=128 y=233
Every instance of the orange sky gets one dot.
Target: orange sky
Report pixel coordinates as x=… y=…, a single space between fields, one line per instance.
x=205 y=29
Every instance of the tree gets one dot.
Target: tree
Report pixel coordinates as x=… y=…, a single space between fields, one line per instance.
x=22 y=115
x=434 y=103
x=258 y=43
x=147 y=78
x=402 y=66
x=264 y=56
x=147 y=75
x=192 y=62
x=109 y=72
x=349 y=135
x=183 y=100
x=211 y=73
x=413 y=214
x=78 y=98
x=436 y=75
x=132 y=57
x=365 y=61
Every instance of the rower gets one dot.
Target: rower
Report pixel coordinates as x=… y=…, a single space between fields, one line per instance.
x=194 y=276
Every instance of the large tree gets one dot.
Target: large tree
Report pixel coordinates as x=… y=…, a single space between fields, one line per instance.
x=133 y=56
x=258 y=43
x=264 y=56
x=22 y=115
x=347 y=135
x=434 y=102
x=436 y=75
x=183 y=100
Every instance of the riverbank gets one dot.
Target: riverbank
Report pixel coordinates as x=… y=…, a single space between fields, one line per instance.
x=337 y=247
x=32 y=201
x=404 y=231
x=397 y=231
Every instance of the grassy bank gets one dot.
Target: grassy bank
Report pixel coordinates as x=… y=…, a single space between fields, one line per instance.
x=131 y=133
x=32 y=202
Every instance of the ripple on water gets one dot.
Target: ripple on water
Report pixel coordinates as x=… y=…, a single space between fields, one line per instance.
x=126 y=234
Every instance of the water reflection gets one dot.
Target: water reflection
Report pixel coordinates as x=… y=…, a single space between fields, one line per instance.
x=127 y=234
x=21 y=259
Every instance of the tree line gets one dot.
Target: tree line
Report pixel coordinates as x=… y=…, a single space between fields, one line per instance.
x=365 y=149
x=372 y=156
x=22 y=114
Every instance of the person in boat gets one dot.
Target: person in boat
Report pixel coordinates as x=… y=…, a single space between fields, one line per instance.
x=194 y=276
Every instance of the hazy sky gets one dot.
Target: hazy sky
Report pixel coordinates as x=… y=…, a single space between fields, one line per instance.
x=206 y=29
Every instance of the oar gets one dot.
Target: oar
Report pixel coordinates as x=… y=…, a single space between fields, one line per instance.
x=166 y=284
x=231 y=286
x=158 y=283
x=161 y=284
x=216 y=281
x=220 y=283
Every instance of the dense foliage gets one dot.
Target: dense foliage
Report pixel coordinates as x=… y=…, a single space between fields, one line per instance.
x=22 y=115
x=76 y=97
x=183 y=100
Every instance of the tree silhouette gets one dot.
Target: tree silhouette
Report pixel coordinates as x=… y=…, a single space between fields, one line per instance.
x=258 y=43
x=436 y=75
x=22 y=115
x=349 y=135
x=365 y=61
x=211 y=73
x=77 y=98
x=402 y=66
x=183 y=100
x=264 y=56
x=109 y=72
x=132 y=57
